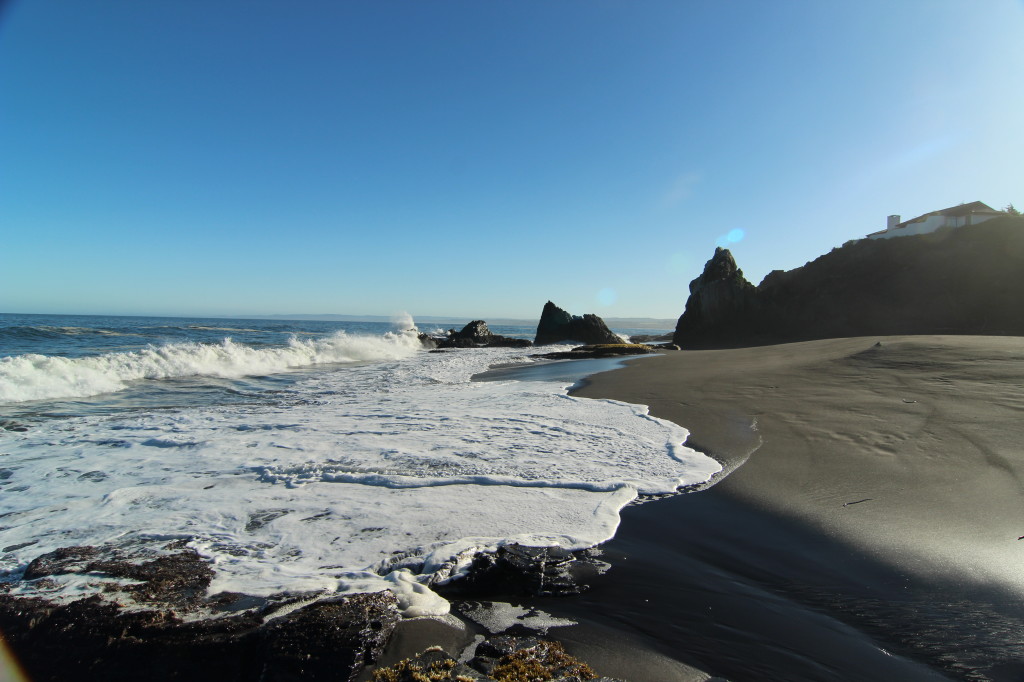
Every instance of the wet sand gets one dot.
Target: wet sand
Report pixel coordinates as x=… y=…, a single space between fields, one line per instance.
x=867 y=530
x=864 y=527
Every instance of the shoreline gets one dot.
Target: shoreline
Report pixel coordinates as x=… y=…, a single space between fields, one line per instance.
x=924 y=427
x=823 y=554
x=880 y=510
x=784 y=567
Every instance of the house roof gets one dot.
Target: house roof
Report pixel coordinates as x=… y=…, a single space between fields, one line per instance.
x=958 y=210
x=974 y=207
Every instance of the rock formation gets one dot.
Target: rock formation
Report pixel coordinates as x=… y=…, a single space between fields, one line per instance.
x=503 y=657
x=558 y=326
x=156 y=622
x=603 y=351
x=967 y=280
x=720 y=301
x=475 y=335
x=522 y=570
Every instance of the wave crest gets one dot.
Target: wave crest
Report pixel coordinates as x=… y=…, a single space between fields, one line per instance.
x=46 y=377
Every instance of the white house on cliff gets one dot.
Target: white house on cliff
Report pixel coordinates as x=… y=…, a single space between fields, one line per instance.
x=954 y=216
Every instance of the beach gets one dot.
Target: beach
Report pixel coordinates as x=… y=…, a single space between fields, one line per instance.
x=866 y=522
x=863 y=524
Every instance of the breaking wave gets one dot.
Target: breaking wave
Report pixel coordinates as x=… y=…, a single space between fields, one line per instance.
x=45 y=377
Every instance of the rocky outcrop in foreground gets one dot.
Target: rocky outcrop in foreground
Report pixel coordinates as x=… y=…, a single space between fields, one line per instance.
x=158 y=624
x=558 y=326
x=968 y=280
x=501 y=659
x=518 y=569
x=154 y=620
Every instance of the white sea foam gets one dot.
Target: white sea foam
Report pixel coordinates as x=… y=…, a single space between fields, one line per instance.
x=497 y=617
x=42 y=377
x=395 y=466
x=403 y=322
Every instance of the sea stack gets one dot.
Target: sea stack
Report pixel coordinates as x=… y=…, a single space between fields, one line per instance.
x=719 y=301
x=558 y=326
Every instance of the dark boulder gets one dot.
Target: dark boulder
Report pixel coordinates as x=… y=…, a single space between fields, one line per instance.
x=476 y=335
x=521 y=570
x=558 y=326
x=477 y=332
x=428 y=341
x=473 y=334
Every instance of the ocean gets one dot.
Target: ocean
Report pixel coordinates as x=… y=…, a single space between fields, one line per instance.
x=306 y=456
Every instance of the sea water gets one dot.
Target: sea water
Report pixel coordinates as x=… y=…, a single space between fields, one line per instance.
x=305 y=456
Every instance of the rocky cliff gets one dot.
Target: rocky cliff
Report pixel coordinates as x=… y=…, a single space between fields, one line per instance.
x=968 y=280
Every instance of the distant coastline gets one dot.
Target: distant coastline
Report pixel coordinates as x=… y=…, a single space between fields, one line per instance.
x=632 y=322
x=616 y=322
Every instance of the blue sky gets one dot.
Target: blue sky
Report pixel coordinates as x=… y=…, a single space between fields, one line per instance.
x=479 y=158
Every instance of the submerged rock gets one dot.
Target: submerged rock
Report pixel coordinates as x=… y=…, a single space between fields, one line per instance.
x=177 y=579
x=605 y=350
x=651 y=338
x=558 y=326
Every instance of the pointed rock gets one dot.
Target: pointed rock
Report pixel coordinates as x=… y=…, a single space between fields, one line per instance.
x=718 y=302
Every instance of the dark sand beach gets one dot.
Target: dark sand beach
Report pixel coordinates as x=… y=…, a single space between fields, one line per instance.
x=868 y=529
x=865 y=526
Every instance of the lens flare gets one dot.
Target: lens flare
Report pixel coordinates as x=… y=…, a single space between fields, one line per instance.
x=607 y=296
x=680 y=263
x=9 y=668
x=733 y=236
